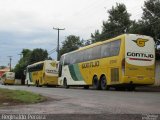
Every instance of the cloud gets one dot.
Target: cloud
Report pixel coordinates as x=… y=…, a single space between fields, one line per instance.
x=29 y=23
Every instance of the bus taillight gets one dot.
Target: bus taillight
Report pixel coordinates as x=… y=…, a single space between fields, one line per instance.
x=123 y=66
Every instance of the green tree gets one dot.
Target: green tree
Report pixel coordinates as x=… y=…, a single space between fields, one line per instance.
x=22 y=64
x=26 y=53
x=71 y=43
x=96 y=36
x=2 y=67
x=150 y=22
x=118 y=23
x=151 y=17
x=37 y=55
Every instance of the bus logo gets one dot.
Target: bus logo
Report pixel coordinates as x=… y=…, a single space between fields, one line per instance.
x=140 y=42
x=53 y=64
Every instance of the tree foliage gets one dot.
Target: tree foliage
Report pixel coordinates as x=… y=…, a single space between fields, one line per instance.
x=96 y=36
x=37 y=55
x=29 y=57
x=22 y=64
x=150 y=22
x=2 y=67
x=71 y=43
x=151 y=17
x=118 y=23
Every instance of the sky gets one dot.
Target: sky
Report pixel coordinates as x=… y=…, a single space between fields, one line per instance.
x=28 y=24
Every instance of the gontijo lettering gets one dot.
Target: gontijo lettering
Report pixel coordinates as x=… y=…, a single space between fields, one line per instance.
x=142 y=55
x=90 y=64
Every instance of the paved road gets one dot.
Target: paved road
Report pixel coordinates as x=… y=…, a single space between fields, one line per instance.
x=80 y=101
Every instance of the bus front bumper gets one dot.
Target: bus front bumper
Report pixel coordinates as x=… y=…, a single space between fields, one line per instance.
x=11 y=82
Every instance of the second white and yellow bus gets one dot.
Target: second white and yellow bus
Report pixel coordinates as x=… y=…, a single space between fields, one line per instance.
x=42 y=73
x=125 y=61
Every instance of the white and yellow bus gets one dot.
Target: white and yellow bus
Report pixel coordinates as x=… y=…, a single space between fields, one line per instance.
x=125 y=61
x=8 y=78
x=42 y=73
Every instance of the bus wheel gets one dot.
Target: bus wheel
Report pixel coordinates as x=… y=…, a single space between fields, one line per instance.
x=104 y=83
x=131 y=88
x=86 y=87
x=28 y=84
x=118 y=88
x=65 y=84
x=37 y=83
x=96 y=83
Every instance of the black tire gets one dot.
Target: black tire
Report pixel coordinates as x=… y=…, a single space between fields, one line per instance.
x=131 y=88
x=96 y=83
x=120 y=88
x=103 y=81
x=86 y=87
x=28 y=84
x=37 y=83
x=65 y=84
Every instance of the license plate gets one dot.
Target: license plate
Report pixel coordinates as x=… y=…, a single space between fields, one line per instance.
x=140 y=77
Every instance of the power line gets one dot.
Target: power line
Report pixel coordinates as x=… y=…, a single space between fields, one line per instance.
x=52 y=51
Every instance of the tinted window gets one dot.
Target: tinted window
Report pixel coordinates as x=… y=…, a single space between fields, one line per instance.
x=96 y=52
x=66 y=60
x=79 y=56
x=36 y=68
x=72 y=58
x=105 y=50
x=61 y=60
x=110 y=49
x=114 y=48
x=87 y=54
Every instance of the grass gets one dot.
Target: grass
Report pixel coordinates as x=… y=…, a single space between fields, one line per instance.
x=15 y=97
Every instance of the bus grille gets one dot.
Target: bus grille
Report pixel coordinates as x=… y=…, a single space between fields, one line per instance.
x=114 y=74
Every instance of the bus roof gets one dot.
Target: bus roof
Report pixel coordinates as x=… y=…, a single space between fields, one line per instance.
x=39 y=62
x=102 y=42
x=96 y=44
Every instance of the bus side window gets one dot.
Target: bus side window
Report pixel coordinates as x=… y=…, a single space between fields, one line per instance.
x=81 y=57
x=96 y=52
x=66 y=60
x=105 y=50
x=114 y=48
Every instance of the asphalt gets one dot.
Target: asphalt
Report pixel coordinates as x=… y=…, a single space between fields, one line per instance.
x=77 y=103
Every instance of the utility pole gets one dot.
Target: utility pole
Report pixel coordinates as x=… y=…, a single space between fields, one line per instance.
x=58 y=56
x=10 y=59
